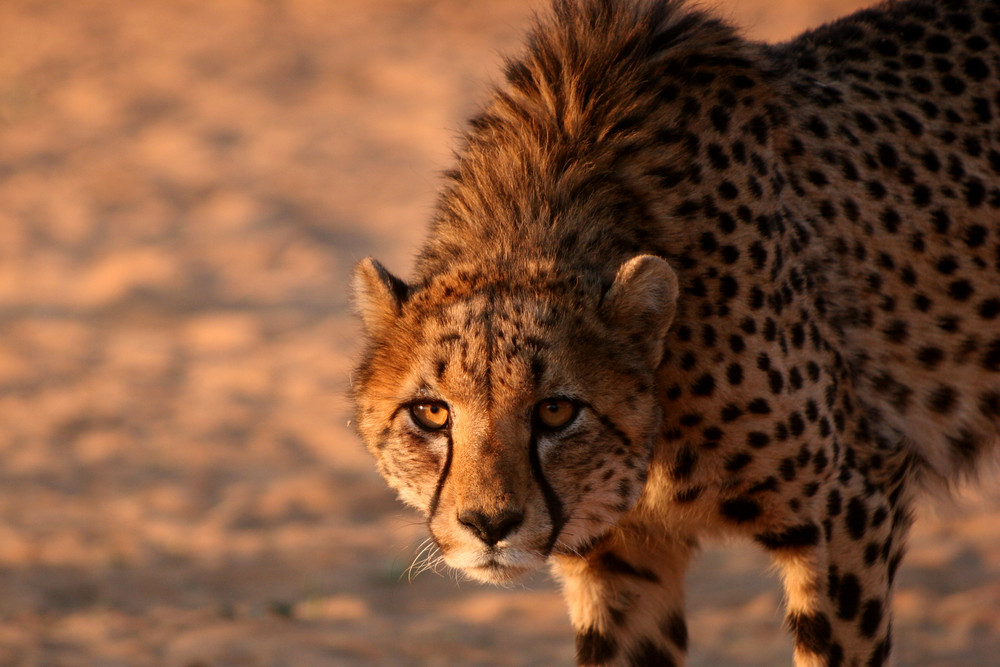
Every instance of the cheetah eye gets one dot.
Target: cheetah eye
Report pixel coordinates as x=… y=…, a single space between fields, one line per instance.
x=555 y=413
x=430 y=416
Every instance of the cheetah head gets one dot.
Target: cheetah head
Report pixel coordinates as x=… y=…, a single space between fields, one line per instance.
x=515 y=408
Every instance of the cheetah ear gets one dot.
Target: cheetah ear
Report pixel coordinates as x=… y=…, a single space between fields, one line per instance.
x=378 y=295
x=642 y=300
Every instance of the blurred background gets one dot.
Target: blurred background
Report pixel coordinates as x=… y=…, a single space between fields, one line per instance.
x=184 y=187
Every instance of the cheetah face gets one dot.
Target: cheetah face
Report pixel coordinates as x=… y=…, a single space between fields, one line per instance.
x=516 y=412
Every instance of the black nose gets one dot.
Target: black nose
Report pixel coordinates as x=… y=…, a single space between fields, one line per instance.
x=491 y=528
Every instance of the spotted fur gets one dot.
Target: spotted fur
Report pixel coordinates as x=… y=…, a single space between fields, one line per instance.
x=766 y=277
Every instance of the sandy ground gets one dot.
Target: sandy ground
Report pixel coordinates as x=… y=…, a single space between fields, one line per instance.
x=184 y=186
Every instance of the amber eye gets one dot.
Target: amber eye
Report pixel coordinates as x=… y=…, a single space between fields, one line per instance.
x=556 y=412
x=431 y=416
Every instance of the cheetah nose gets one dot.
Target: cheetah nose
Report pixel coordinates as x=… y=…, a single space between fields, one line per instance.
x=491 y=528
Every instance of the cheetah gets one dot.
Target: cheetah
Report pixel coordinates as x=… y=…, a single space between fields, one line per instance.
x=680 y=285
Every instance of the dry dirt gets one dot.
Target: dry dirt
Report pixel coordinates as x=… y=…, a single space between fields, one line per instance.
x=184 y=186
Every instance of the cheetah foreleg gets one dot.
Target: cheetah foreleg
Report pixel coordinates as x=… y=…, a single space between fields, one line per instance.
x=626 y=600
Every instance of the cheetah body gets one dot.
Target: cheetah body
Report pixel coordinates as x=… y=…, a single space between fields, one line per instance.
x=766 y=281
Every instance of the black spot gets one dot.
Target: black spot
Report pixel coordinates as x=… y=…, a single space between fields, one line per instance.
x=989 y=404
x=960 y=290
x=730 y=412
x=537 y=370
x=717 y=156
x=938 y=43
x=875 y=190
x=728 y=287
x=975 y=236
x=976 y=69
x=720 y=118
x=921 y=195
x=848 y=597
x=817 y=177
x=817 y=127
x=768 y=484
x=758 y=127
x=648 y=654
x=953 y=84
x=703 y=386
x=976 y=43
x=834 y=503
x=684 y=462
x=865 y=122
x=611 y=562
x=740 y=510
x=896 y=331
x=812 y=631
x=688 y=495
x=776 y=381
x=921 y=84
x=930 y=357
x=730 y=254
x=676 y=630
x=949 y=323
x=989 y=309
x=871 y=618
x=690 y=419
x=796 y=537
x=887 y=156
x=758 y=440
x=975 y=193
x=759 y=406
x=942 y=400
x=713 y=433
x=965 y=444
x=982 y=109
x=728 y=191
x=735 y=462
x=991 y=358
x=735 y=374
x=890 y=220
x=796 y=424
x=947 y=265
x=687 y=208
x=886 y=47
x=856 y=518
x=820 y=461
x=881 y=653
x=688 y=361
x=593 y=648
x=912 y=125
x=973 y=146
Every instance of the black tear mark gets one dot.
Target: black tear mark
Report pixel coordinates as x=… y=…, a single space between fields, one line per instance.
x=432 y=509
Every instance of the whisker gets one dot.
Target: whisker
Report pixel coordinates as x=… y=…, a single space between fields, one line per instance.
x=422 y=560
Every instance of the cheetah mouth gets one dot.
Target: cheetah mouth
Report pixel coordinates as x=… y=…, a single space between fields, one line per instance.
x=495 y=572
x=497 y=569
x=497 y=566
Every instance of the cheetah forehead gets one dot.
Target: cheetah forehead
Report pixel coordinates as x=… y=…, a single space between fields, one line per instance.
x=508 y=284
